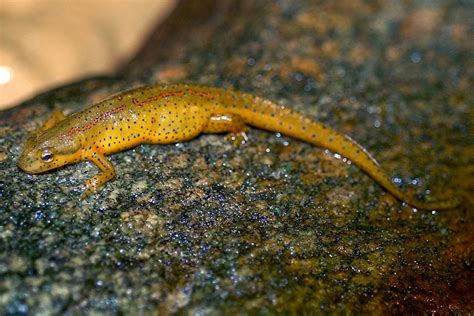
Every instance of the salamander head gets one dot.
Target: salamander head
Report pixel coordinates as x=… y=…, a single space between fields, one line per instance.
x=49 y=150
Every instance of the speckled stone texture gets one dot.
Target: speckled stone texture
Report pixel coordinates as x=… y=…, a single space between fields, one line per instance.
x=272 y=225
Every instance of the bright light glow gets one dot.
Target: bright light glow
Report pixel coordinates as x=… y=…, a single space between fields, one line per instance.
x=5 y=74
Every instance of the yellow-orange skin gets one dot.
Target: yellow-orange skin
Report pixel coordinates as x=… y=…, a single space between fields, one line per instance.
x=163 y=114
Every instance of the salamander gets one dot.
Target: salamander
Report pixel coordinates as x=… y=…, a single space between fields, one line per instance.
x=163 y=114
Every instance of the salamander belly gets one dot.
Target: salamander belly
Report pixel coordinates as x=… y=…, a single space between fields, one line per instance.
x=152 y=123
x=171 y=123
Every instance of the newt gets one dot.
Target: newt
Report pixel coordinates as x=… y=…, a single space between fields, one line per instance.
x=164 y=114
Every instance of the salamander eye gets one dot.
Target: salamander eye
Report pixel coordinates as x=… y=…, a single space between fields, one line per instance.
x=47 y=156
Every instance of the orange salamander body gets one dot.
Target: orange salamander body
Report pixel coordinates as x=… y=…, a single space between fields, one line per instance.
x=164 y=114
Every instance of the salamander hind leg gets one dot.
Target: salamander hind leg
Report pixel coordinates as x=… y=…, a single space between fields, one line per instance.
x=231 y=123
x=225 y=123
x=107 y=172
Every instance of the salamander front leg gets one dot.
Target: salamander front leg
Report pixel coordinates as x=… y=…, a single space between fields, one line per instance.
x=106 y=174
x=231 y=123
x=52 y=121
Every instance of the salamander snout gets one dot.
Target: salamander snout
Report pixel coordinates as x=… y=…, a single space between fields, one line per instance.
x=24 y=162
x=35 y=160
x=45 y=153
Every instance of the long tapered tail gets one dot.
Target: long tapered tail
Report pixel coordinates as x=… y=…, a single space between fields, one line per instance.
x=267 y=115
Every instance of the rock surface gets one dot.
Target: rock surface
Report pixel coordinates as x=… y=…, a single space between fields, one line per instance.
x=272 y=225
